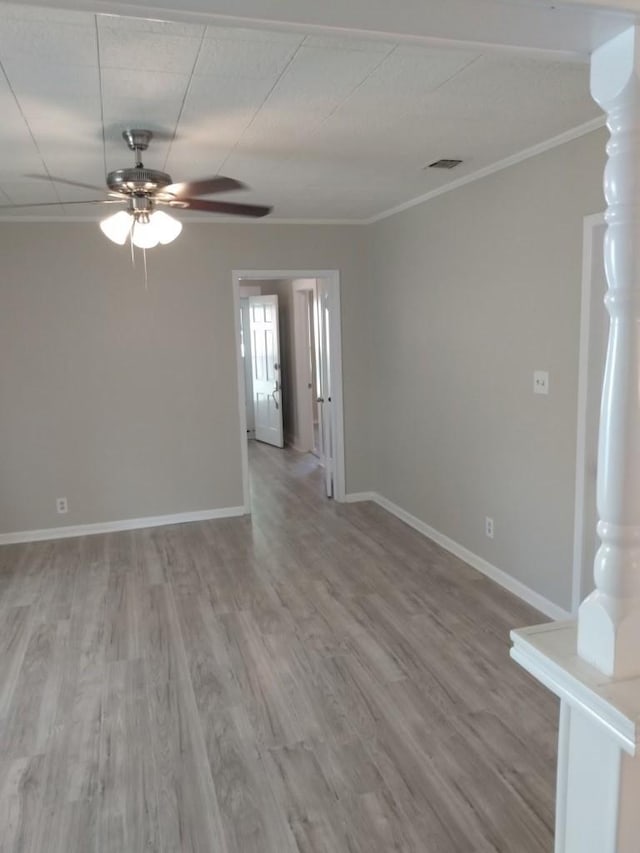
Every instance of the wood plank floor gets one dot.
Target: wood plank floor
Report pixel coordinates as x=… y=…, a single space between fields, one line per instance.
x=319 y=679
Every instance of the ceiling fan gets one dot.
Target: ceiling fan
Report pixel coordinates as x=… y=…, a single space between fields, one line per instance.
x=145 y=190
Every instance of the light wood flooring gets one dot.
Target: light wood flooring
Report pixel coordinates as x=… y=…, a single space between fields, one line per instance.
x=319 y=679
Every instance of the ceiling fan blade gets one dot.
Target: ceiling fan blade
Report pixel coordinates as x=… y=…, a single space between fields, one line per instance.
x=65 y=181
x=223 y=207
x=61 y=203
x=205 y=186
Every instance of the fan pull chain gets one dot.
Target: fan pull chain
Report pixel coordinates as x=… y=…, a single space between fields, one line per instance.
x=146 y=278
x=133 y=254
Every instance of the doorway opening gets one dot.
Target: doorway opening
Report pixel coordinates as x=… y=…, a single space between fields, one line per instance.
x=289 y=359
x=594 y=328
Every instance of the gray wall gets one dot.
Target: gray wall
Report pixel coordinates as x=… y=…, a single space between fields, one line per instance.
x=472 y=292
x=125 y=400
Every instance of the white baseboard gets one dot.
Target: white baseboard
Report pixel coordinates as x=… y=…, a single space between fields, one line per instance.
x=356 y=497
x=125 y=524
x=295 y=446
x=291 y=441
x=553 y=611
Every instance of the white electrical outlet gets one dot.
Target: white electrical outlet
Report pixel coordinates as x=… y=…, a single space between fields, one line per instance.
x=540 y=382
x=488 y=527
x=61 y=506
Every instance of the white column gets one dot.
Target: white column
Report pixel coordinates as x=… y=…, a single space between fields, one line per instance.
x=609 y=620
x=593 y=665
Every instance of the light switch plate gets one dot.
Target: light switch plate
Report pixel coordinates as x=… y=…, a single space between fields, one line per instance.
x=540 y=382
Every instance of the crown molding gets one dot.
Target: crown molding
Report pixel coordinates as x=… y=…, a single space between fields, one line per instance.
x=513 y=160
x=479 y=174
x=223 y=220
x=534 y=27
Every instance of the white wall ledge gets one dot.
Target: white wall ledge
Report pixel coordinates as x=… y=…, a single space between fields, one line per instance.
x=549 y=653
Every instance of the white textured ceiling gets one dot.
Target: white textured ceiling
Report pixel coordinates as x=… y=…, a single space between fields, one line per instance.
x=320 y=126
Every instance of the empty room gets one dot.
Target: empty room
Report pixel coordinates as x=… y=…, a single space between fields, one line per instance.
x=319 y=426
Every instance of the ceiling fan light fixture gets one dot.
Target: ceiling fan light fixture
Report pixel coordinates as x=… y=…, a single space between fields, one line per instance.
x=144 y=234
x=117 y=227
x=166 y=227
x=146 y=230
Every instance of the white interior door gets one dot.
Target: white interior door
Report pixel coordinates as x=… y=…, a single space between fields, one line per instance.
x=245 y=353
x=265 y=369
x=323 y=369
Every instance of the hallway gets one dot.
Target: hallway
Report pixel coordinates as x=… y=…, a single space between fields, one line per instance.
x=317 y=677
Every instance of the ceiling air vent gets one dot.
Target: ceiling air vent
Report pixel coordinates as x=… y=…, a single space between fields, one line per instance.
x=444 y=164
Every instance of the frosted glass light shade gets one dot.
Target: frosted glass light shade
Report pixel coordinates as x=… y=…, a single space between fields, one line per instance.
x=166 y=227
x=144 y=235
x=117 y=227
x=146 y=230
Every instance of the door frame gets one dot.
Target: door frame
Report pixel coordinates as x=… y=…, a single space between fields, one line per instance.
x=590 y=224
x=304 y=377
x=248 y=384
x=332 y=277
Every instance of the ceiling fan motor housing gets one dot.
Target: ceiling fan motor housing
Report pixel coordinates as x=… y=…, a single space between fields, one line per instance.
x=137 y=139
x=138 y=179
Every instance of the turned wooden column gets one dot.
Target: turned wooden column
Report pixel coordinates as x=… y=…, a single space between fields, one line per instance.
x=609 y=619
x=593 y=665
